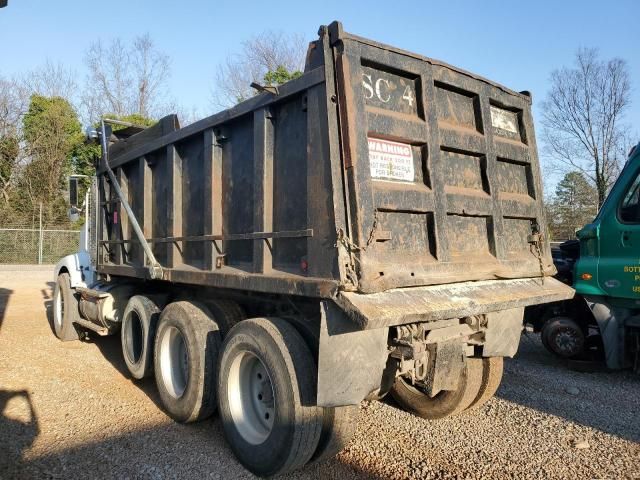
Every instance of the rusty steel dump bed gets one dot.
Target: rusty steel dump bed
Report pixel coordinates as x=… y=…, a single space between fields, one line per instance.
x=377 y=169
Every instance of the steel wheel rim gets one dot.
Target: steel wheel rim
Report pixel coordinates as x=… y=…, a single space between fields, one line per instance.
x=251 y=398
x=174 y=362
x=58 y=309
x=567 y=341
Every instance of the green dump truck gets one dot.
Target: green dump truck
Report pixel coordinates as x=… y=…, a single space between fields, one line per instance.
x=605 y=313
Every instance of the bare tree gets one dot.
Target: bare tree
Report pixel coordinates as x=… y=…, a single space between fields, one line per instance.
x=260 y=54
x=53 y=80
x=582 y=118
x=186 y=115
x=126 y=79
x=13 y=104
x=151 y=70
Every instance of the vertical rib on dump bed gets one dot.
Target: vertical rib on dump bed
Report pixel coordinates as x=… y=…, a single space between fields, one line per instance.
x=376 y=169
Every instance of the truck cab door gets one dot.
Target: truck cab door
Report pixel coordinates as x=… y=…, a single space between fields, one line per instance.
x=619 y=262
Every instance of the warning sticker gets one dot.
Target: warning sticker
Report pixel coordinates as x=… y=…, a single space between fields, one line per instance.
x=391 y=160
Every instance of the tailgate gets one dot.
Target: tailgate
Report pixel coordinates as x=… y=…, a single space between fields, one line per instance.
x=442 y=174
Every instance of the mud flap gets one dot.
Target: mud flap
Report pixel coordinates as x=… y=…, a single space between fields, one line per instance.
x=610 y=321
x=350 y=360
x=502 y=336
x=446 y=366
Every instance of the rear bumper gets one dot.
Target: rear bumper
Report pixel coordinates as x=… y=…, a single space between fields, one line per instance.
x=438 y=302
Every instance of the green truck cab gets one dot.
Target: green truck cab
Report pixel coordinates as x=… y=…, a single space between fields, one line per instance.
x=605 y=312
x=607 y=274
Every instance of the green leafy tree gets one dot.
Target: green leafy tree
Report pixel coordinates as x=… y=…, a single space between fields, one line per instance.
x=575 y=204
x=134 y=118
x=280 y=75
x=9 y=151
x=52 y=133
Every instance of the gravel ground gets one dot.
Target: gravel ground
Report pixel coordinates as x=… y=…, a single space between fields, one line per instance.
x=69 y=410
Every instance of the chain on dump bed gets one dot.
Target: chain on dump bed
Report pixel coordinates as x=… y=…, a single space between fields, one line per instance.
x=535 y=240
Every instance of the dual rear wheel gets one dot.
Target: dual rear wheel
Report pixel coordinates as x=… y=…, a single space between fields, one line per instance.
x=262 y=377
x=478 y=382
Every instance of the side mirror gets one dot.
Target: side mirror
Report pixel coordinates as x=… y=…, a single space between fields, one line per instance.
x=73 y=191
x=91 y=135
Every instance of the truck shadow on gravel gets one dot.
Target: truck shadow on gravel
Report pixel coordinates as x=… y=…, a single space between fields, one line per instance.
x=603 y=400
x=209 y=433
x=18 y=429
x=193 y=451
x=111 y=349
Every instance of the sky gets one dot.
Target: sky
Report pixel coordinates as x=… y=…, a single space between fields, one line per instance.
x=514 y=43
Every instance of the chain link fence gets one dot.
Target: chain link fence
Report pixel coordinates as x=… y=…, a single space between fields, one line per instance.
x=30 y=244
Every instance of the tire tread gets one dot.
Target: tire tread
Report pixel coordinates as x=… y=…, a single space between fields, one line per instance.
x=226 y=313
x=151 y=311
x=68 y=331
x=441 y=406
x=204 y=337
x=298 y=378
x=492 y=369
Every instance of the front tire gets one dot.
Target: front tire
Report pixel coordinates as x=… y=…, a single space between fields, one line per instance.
x=266 y=391
x=563 y=337
x=185 y=358
x=444 y=403
x=65 y=309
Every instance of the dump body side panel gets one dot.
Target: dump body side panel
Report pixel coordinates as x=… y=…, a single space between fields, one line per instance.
x=442 y=171
x=246 y=199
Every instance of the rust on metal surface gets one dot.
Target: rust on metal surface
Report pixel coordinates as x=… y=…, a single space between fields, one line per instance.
x=377 y=169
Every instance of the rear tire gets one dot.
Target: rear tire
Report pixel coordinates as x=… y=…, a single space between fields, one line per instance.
x=65 y=309
x=185 y=358
x=563 y=337
x=338 y=426
x=266 y=391
x=226 y=313
x=492 y=368
x=444 y=403
x=138 y=334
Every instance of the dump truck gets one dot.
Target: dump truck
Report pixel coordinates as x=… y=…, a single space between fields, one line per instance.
x=602 y=321
x=372 y=227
